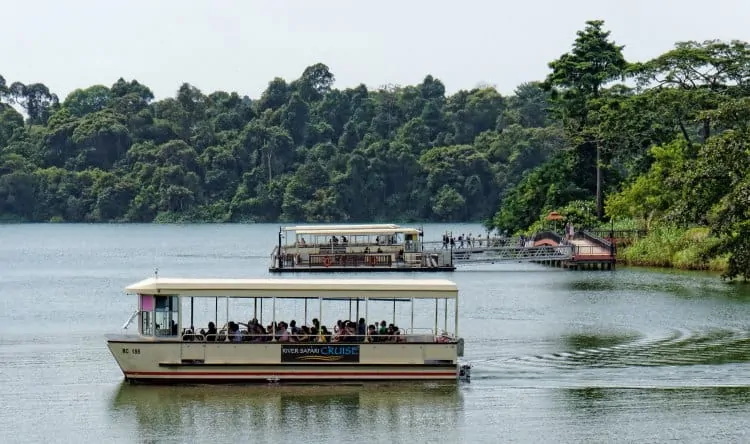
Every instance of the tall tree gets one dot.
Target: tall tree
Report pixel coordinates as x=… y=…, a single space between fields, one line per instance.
x=577 y=79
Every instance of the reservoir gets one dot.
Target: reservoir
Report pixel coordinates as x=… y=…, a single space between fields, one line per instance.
x=631 y=355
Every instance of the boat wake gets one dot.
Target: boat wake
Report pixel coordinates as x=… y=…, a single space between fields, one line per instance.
x=678 y=347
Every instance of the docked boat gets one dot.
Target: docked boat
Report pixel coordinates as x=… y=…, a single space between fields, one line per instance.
x=168 y=348
x=357 y=248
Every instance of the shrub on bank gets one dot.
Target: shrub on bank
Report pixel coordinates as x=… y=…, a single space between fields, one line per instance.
x=669 y=246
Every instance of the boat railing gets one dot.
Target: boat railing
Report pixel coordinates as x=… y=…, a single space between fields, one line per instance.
x=427 y=336
x=349 y=260
x=130 y=320
x=343 y=245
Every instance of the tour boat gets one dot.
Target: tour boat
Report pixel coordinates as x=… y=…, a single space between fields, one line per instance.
x=337 y=248
x=167 y=348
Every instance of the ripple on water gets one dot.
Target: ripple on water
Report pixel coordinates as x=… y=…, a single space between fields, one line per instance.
x=676 y=347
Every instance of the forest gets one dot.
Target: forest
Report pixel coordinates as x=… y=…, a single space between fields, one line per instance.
x=656 y=143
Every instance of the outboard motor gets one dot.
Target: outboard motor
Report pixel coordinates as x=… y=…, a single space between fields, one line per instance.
x=464 y=373
x=460 y=347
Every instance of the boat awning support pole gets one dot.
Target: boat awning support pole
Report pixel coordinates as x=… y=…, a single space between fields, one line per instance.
x=394 y=312
x=305 y=312
x=320 y=311
x=261 y=311
x=367 y=330
x=445 y=323
x=192 y=307
x=411 y=326
x=227 y=334
x=437 y=309
x=216 y=310
x=255 y=308
x=357 y=316
x=350 y=309
x=455 y=325
x=273 y=324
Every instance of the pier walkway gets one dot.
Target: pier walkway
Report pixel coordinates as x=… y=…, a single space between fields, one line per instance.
x=584 y=251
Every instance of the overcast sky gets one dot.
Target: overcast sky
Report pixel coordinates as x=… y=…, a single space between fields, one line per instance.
x=240 y=45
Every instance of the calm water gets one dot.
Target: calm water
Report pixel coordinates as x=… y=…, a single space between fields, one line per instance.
x=558 y=356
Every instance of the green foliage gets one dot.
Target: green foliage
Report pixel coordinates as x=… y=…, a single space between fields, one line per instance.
x=667 y=245
x=303 y=151
x=672 y=152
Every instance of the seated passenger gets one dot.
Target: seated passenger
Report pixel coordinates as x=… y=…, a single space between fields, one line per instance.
x=303 y=334
x=372 y=333
x=211 y=334
x=234 y=332
x=324 y=335
x=283 y=333
x=361 y=330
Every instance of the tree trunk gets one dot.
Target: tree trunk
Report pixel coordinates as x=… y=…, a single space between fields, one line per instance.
x=599 y=203
x=269 y=166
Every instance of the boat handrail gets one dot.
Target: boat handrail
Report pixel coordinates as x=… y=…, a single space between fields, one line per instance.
x=222 y=336
x=420 y=331
x=343 y=244
x=130 y=320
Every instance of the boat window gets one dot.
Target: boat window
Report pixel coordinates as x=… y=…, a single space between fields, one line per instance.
x=166 y=315
x=146 y=325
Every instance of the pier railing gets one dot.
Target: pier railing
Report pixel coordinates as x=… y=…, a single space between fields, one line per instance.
x=619 y=236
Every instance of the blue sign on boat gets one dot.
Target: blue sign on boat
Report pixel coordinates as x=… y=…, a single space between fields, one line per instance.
x=320 y=353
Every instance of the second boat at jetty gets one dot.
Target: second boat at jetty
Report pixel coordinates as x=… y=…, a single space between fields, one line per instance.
x=336 y=248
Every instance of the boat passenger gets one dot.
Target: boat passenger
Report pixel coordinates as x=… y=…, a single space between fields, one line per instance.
x=324 y=335
x=234 y=332
x=211 y=334
x=283 y=333
x=361 y=330
x=303 y=334
x=372 y=333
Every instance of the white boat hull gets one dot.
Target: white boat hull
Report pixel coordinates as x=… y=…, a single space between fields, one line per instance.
x=146 y=360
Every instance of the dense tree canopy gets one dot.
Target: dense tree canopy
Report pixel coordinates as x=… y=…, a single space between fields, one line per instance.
x=663 y=140
x=303 y=151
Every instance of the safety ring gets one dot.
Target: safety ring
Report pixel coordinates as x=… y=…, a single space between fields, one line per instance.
x=327 y=261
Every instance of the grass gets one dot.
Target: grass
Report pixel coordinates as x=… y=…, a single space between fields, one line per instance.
x=671 y=247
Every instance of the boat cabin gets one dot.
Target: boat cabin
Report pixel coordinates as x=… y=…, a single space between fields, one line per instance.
x=325 y=308
x=348 y=246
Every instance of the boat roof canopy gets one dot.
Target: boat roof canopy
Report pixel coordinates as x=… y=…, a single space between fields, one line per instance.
x=299 y=288
x=337 y=227
x=356 y=231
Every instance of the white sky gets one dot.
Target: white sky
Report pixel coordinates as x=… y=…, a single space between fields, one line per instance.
x=237 y=45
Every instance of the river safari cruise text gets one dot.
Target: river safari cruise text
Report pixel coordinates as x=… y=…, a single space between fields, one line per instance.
x=339 y=248
x=165 y=349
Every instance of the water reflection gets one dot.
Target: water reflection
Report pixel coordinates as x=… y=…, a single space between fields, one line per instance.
x=285 y=411
x=607 y=401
